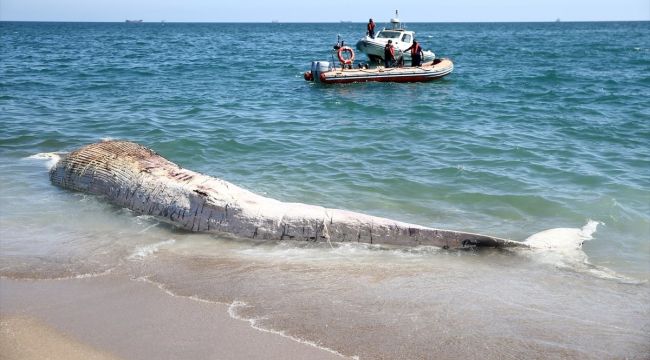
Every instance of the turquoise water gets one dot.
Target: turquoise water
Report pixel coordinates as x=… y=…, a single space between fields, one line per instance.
x=541 y=125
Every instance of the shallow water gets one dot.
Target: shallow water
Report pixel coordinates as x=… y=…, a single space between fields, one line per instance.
x=540 y=126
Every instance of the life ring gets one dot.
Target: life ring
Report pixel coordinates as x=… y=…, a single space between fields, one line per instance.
x=346 y=61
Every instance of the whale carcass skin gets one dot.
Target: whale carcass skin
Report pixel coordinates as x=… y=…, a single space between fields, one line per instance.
x=132 y=176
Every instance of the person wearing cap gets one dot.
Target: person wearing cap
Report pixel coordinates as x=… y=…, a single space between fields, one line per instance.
x=371 y=28
x=389 y=54
x=416 y=53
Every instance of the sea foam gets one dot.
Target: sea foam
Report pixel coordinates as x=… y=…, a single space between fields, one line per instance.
x=233 y=311
x=142 y=252
x=50 y=158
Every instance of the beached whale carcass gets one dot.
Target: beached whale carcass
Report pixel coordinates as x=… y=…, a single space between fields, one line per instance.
x=131 y=175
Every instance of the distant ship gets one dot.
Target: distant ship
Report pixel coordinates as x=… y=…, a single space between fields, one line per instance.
x=134 y=21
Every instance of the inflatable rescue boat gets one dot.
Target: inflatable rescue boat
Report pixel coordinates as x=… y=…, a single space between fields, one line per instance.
x=325 y=72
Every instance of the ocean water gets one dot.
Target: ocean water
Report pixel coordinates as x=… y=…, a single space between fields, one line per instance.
x=540 y=126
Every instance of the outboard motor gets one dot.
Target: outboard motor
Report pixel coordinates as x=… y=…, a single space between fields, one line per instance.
x=318 y=67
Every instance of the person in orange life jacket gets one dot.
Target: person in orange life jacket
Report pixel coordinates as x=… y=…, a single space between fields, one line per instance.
x=371 y=28
x=416 y=53
x=389 y=54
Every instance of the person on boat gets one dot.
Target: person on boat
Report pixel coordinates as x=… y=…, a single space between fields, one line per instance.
x=416 y=54
x=371 y=28
x=389 y=54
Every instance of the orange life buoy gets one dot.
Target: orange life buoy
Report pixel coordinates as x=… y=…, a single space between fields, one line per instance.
x=346 y=49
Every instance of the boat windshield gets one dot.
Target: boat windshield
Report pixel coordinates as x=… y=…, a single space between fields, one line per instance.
x=388 y=34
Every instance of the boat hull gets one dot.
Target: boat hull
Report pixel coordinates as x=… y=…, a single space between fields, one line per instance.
x=374 y=50
x=427 y=72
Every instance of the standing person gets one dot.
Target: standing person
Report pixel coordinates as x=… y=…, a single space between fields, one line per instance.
x=389 y=54
x=416 y=53
x=371 y=28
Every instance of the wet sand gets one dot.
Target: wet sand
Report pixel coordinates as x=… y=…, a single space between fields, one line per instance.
x=112 y=317
x=27 y=338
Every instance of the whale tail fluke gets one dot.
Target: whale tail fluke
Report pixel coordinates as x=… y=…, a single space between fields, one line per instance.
x=563 y=239
x=562 y=248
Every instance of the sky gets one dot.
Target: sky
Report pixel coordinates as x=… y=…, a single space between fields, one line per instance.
x=323 y=11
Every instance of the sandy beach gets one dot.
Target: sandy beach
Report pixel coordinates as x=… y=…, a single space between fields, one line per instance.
x=114 y=317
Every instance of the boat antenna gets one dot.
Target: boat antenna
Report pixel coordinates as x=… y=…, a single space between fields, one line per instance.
x=336 y=47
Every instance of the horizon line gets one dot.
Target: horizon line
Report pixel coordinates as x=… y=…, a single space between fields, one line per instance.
x=315 y=22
